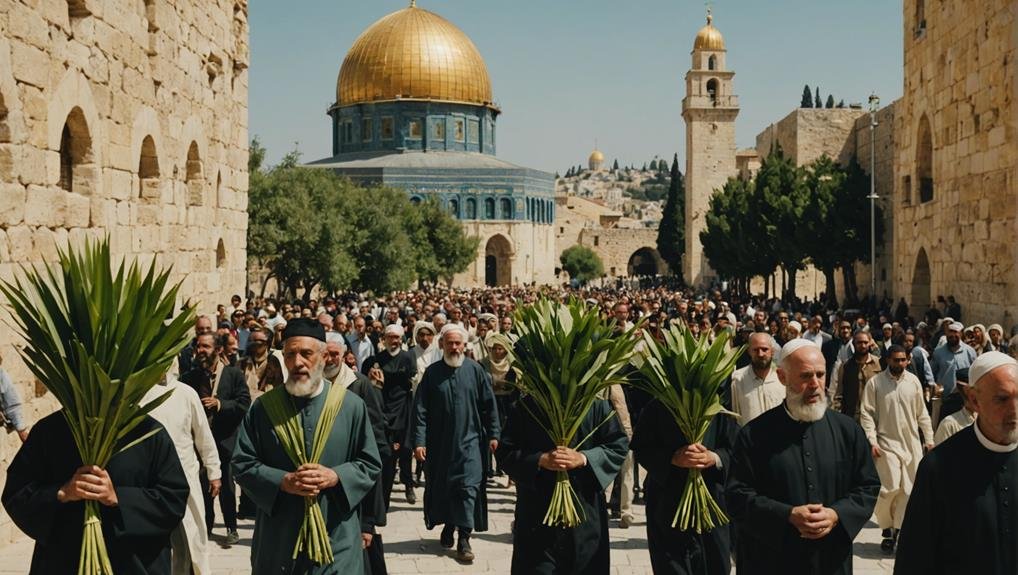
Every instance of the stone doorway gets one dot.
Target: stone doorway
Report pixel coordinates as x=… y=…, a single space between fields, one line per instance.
x=498 y=261
x=644 y=262
x=920 y=301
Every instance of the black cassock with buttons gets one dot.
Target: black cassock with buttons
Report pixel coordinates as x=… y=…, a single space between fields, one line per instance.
x=779 y=463
x=962 y=515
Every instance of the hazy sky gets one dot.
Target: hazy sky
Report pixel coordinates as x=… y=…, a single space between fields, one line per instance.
x=567 y=72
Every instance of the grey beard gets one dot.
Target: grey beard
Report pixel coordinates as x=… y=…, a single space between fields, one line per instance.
x=800 y=410
x=454 y=359
x=308 y=387
x=331 y=371
x=394 y=350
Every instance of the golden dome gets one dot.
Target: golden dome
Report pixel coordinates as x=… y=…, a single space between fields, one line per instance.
x=596 y=156
x=709 y=38
x=413 y=54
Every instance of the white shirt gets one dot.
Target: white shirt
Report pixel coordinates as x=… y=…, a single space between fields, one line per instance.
x=952 y=424
x=751 y=396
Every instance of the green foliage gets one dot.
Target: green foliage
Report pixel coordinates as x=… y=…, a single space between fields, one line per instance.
x=311 y=228
x=779 y=201
x=615 y=166
x=99 y=342
x=817 y=102
x=581 y=263
x=830 y=101
x=566 y=358
x=807 y=97
x=671 y=232
x=255 y=156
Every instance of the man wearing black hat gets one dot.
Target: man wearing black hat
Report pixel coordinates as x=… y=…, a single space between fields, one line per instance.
x=342 y=477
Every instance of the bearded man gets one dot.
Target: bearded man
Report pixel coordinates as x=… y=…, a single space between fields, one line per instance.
x=893 y=413
x=802 y=481
x=850 y=376
x=345 y=474
x=456 y=429
x=756 y=387
x=962 y=516
x=393 y=370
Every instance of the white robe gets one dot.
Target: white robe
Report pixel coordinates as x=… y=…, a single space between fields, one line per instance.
x=952 y=424
x=184 y=418
x=751 y=396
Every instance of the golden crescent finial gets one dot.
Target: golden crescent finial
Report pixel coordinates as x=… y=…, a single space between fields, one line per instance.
x=710 y=17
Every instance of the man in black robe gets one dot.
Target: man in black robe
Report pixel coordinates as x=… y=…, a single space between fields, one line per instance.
x=224 y=394
x=532 y=460
x=393 y=369
x=667 y=455
x=456 y=429
x=142 y=495
x=962 y=516
x=802 y=482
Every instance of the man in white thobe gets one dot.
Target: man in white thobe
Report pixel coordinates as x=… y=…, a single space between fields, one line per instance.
x=756 y=387
x=892 y=414
x=183 y=416
x=958 y=420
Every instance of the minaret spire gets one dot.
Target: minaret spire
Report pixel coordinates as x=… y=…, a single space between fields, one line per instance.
x=710 y=17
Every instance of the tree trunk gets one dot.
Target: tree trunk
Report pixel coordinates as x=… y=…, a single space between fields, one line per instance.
x=832 y=289
x=790 y=294
x=265 y=283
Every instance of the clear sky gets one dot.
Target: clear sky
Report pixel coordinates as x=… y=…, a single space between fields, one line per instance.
x=569 y=72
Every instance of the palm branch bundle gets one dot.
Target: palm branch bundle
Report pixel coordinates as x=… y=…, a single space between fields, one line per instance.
x=566 y=358
x=98 y=342
x=684 y=374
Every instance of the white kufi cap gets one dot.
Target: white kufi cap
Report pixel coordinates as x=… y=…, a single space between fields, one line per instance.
x=988 y=362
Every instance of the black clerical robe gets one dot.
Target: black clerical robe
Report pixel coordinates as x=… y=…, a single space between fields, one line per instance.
x=455 y=418
x=962 y=516
x=779 y=463
x=656 y=439
x=151 y=492
x=538 y=548
x=372 y=508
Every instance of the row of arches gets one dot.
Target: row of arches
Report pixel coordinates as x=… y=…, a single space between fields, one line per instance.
x=540 y=211
x=490 y=209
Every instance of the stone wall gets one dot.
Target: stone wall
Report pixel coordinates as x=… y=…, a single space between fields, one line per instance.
x=617 y=246
x=126 y=118
x=807 y=133
x=958 y=116
x=528 y=249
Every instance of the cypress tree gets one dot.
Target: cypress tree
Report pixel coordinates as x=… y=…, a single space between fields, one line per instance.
x=817 y=102
x=807 y=97
x=830 y=101
x=671 y=232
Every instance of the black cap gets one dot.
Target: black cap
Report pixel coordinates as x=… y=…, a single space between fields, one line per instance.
x=304 y=327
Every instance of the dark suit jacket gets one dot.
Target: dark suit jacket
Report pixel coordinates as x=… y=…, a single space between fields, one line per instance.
x=234 y=400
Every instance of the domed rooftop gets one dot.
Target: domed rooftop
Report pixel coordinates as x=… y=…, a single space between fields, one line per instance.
x=417 y=55
x=596 y=156
x=709 y=37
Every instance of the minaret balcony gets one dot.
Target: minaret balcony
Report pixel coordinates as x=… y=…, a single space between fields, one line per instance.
x=729 y=101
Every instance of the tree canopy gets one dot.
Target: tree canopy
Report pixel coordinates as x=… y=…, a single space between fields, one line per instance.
x=581 y=263
x=671 y=232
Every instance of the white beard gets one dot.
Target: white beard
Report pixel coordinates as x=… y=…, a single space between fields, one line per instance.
x=454 y=359
x=394 y=350
x=309 y=386
x=331 y=371
x=802 y=411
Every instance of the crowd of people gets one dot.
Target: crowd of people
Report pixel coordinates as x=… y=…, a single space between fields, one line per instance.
x=840 y=414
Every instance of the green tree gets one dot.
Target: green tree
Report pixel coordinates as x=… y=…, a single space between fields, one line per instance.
x=581 y=263
x=807 y=97
x=817 y=102
x=615 y=166
x=443 y=248
x=830 y=101
x=853 y=219
x=671 y=232
x=820 y=231
x=734 y=238
x=779 y=201
x=255 y=156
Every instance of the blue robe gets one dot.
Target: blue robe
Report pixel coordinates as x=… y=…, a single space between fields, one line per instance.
x=455 y=417
x=259 y=464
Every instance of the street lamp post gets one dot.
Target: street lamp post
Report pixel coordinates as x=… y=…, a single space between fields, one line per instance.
x=873 y=197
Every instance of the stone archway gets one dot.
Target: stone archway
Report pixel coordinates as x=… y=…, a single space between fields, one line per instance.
x=498 y=261
x=920 y=295
x=644 y=262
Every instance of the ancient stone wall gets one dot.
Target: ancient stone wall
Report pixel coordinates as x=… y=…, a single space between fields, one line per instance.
x=956 y=162
x=524 y=253
x=805 y=134
x=618 y=249
x=126 y=118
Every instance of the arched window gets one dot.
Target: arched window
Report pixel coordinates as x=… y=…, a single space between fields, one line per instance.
x=920 y=17
x=506 y=208
x=195 y=181
x=75 y=152
x=712 y=62
x=5 y=129
x=540 y=211
x=712 y=89
x=471 y=209
x=415 y=200
x=924 y=160
x=149 y=15
x=219 y=190
x=454 y=208
x=220 y=254
x=148 y=170
x=489 y=208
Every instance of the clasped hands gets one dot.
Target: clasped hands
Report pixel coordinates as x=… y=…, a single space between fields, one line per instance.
x=89 y=483
x=561 y=459
x=813 y=520
x=309 y=480
x=694 y=456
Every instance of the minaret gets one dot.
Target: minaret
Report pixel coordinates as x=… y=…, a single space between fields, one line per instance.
x=709 y=110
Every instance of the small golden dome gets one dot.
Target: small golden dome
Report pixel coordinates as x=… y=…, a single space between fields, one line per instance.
x=596 y=160
x=413 y=54
x=709 y=38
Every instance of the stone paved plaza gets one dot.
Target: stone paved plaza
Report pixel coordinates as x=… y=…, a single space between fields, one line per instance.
x=410 y=548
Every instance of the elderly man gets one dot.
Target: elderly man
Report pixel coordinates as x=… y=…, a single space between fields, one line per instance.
x=756 y=387
x=802 y=482
x=202 y=325
x=183 y=417
x=851 y=376
x=393 y=370
x=893 y=413
x=963 y=514
x=346 y=472
x=455 y=430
